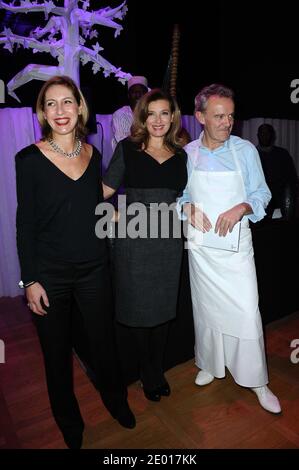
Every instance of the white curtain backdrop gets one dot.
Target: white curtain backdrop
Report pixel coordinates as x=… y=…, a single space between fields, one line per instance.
x=16 y=132
x=19 y=128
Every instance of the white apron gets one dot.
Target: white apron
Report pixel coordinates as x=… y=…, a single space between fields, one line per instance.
x=227 y=321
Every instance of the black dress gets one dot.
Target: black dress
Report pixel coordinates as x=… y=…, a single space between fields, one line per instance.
x=147 y=268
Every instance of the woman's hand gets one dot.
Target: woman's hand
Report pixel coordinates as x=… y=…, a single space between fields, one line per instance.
x=115 y=217
x=197 y=217
x=34 y=294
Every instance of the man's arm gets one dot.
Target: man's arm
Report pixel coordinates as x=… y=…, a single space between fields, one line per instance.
x=258 y=194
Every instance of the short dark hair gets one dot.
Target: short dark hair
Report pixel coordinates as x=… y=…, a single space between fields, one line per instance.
x=215 y=89
x=40 y=105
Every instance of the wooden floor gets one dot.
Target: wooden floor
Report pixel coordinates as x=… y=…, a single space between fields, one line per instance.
x=221 y=415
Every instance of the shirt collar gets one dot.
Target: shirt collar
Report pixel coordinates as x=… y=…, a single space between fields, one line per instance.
x=200 y=144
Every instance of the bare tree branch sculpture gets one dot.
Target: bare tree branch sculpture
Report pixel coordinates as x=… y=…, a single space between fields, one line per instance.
x=64 y=36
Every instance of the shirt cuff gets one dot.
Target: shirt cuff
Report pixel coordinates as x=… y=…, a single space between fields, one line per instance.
x=258 y=211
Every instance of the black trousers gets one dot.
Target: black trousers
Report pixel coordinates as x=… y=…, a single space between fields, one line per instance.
x=151 y=343
x=87 y=284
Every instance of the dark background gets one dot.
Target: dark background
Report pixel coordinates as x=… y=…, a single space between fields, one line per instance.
x=249 y=46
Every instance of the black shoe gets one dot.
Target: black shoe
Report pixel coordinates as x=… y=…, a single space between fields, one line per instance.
x=125 y=417
x=152 y=395
x=73 y=440
x=164 y=389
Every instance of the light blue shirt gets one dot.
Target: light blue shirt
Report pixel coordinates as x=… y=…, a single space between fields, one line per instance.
x=258 y=194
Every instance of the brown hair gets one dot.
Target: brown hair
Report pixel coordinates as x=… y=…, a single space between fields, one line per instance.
x=40 y=105
x=139 y=132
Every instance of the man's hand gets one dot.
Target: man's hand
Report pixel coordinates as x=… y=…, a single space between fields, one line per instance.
x=227 y=220
x=197 y=217
x=34 y=294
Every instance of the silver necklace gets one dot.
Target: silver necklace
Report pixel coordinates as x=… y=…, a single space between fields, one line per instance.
x=73 y=154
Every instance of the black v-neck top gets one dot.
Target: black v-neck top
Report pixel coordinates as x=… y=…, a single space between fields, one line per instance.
x=135 y=168
x=56 y=214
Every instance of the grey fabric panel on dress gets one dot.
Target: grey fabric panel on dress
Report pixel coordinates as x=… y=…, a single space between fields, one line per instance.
x=147 y=270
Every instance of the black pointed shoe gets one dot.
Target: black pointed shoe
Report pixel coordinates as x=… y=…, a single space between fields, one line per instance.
x=164 y=389
x=73 y=440
x=152 y=395
x=125 y=417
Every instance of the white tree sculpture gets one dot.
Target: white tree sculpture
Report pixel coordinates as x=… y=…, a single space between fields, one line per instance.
x=63 y=36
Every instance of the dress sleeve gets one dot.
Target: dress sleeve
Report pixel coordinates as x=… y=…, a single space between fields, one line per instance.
x=116 y=169
x=25 y=219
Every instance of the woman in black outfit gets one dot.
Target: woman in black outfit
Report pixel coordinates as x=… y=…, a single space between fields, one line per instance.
x=62 y=260
x=151 y=165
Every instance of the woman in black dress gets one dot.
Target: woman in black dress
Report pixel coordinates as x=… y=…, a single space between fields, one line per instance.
x=62 y=261
x=151 y=165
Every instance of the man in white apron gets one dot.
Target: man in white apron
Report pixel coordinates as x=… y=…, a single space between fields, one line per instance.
x=225 y=178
